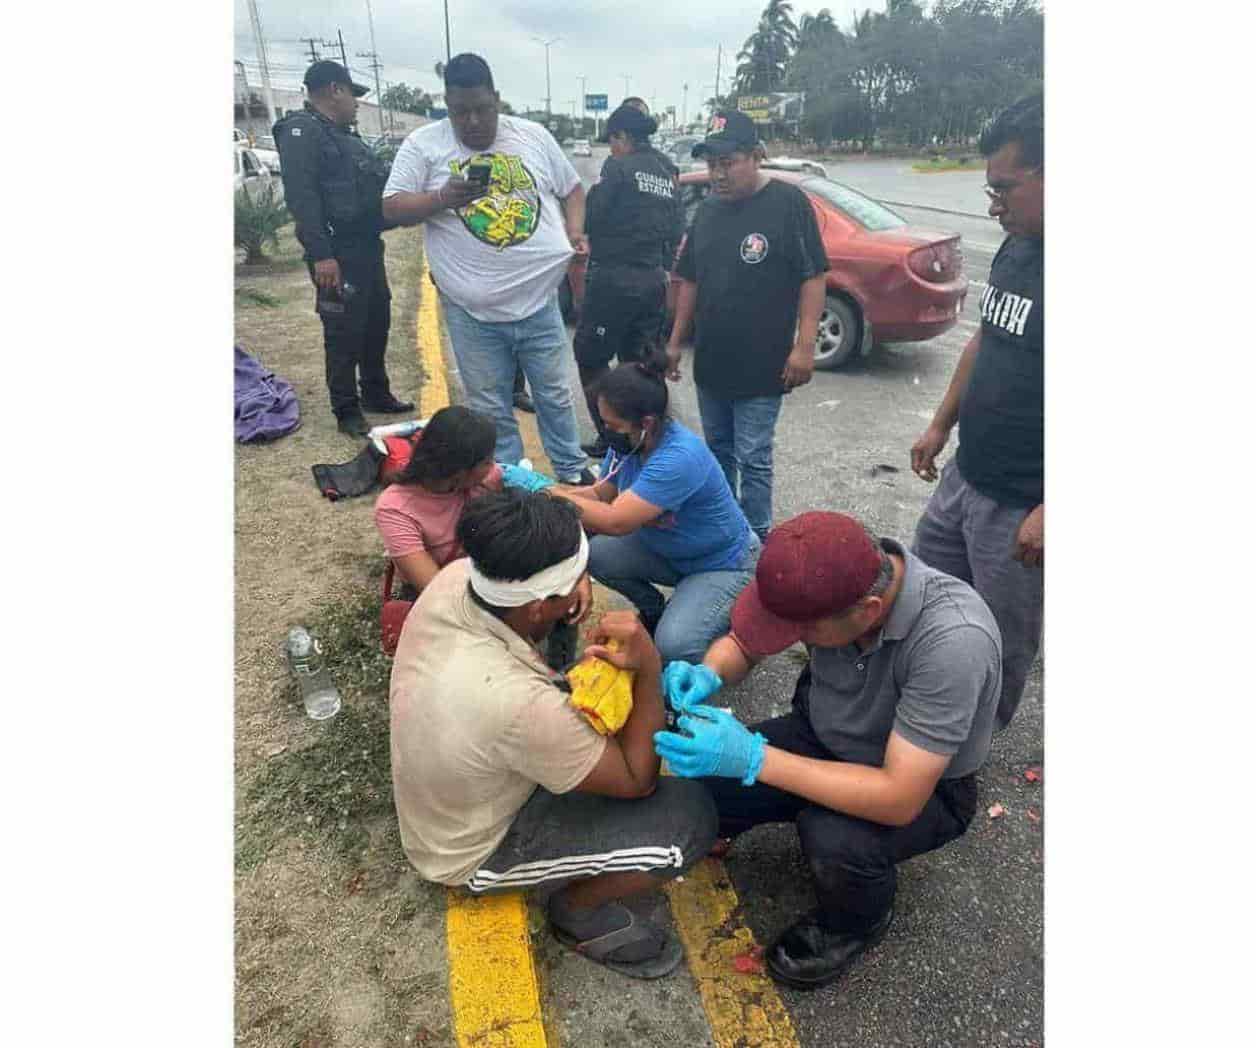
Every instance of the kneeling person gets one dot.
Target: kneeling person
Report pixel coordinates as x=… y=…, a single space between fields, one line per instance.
x=500 y=784
x=891 y=720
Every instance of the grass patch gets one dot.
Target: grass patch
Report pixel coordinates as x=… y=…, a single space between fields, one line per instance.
x=325 y=793
x=330 y=791
x=946 y=163
x=256 y=296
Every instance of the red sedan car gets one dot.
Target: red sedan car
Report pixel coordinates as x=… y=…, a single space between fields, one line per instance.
x=888 y=281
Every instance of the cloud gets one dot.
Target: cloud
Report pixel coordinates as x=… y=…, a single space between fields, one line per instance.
x=659 y=47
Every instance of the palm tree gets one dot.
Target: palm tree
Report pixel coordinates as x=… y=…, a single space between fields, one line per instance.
x=762 y=58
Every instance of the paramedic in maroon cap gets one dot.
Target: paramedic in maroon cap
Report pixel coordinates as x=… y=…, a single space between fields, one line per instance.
x=891 y=720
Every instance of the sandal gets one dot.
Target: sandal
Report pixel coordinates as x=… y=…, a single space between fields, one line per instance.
x=601 y=947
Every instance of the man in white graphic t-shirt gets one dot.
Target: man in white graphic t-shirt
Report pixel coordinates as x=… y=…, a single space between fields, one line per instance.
x=504 y=212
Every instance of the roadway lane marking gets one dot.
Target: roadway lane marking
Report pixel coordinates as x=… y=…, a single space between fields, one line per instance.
x=435 y=392
x=742 y=1009
x=493 y=989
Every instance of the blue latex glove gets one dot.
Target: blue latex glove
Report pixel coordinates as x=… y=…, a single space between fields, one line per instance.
x=518 y=477
x=686 y=685
x=715 y=743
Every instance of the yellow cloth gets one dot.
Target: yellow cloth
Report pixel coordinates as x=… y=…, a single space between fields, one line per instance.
x=602 y=692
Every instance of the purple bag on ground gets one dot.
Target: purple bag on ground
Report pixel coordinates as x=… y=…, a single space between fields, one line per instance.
x=265 y=405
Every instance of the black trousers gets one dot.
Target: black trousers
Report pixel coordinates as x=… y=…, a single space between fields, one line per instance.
x=621 y=316
x=852 y=860
x=354 y=341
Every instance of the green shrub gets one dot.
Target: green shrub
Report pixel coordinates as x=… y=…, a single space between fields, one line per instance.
x=257 y=222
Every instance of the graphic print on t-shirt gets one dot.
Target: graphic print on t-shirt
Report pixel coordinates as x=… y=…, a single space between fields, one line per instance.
x=1005 y=310
x=754 y=249
x=511 y=210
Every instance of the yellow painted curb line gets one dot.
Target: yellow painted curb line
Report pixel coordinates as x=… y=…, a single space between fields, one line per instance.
x=435 y=392
x=741 y=1009
x=493 y=988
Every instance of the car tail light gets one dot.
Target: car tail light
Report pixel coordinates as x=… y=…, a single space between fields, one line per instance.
x=937 y=263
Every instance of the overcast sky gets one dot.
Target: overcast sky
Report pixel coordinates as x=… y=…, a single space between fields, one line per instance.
x=605 y=40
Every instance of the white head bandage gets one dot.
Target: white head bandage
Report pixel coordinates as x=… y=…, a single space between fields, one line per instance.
x=556 y=580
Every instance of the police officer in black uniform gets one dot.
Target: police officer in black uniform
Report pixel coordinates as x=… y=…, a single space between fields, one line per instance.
x=632 y=220
x=333 y=185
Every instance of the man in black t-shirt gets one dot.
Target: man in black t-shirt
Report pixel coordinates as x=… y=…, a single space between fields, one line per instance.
x=984 y=524
x=752 y=278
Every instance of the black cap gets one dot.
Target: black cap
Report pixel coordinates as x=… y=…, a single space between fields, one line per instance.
x=631 y=119
x=326 y=72
x=729 y=131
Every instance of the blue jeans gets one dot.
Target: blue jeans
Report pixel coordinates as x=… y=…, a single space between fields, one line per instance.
x=487 y=353
x=739 y=434
x=698 y=613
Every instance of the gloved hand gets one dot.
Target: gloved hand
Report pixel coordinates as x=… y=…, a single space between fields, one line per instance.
x=529 y=480
x=716 y=743
x=686 y=685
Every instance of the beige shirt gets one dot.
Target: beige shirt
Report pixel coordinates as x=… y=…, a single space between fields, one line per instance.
x=477 y=724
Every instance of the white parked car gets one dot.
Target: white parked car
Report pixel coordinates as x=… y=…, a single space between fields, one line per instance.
x=252 y=175
x=789 y=163
x=581 y=147
x=263 y=148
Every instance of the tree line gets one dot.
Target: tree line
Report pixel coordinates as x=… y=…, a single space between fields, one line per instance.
x=902 y=77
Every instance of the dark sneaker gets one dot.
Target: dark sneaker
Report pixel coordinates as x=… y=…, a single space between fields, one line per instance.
x=586 y=478
x=524 y=403
x=808 y=955
x=354 y=425
x=596 y=450
x=391 y=406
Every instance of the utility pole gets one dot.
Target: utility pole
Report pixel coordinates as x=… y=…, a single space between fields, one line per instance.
x=627 y=80
x=719 y=57
x=684 y=108
x=379 y=105
x=447 y=55
x=375 y=67
x=583 y=99
x=260 y=43
x=343 y=57
x=546 y=45
x=313 y=41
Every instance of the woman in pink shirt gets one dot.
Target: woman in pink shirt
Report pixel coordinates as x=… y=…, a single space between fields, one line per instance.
x=417 y=515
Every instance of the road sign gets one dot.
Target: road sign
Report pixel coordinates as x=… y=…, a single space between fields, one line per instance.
x=596 y=103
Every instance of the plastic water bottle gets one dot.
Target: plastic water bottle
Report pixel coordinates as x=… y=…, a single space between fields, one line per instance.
x=305 y=657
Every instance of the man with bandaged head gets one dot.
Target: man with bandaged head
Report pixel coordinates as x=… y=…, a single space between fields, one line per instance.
x=500 y=783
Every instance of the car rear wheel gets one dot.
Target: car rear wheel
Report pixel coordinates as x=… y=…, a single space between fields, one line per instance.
x=837 y=341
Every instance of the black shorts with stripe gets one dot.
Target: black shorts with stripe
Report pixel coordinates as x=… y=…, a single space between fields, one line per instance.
x=556 y=838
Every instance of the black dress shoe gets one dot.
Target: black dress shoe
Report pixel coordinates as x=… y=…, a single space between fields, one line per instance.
x=808 y=956
x=391 y=406
x=524 y=403
x=354 y=425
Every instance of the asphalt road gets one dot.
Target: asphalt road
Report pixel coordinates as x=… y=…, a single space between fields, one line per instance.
x=962 y=964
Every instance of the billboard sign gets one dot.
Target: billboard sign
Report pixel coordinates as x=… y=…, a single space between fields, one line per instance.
x=596 y=103
x=783 y=107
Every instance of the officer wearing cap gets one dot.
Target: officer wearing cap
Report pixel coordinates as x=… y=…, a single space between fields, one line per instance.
x=631 y=222
x=333 y=185
x=891 y=720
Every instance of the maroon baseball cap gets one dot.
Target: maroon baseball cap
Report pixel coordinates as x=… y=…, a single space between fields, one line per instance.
x=814 y=565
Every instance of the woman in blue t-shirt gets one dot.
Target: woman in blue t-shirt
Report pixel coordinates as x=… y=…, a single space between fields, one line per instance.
x=662 y=514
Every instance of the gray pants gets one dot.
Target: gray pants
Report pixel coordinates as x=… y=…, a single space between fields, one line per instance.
x=970 y=536
x=557 y=838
